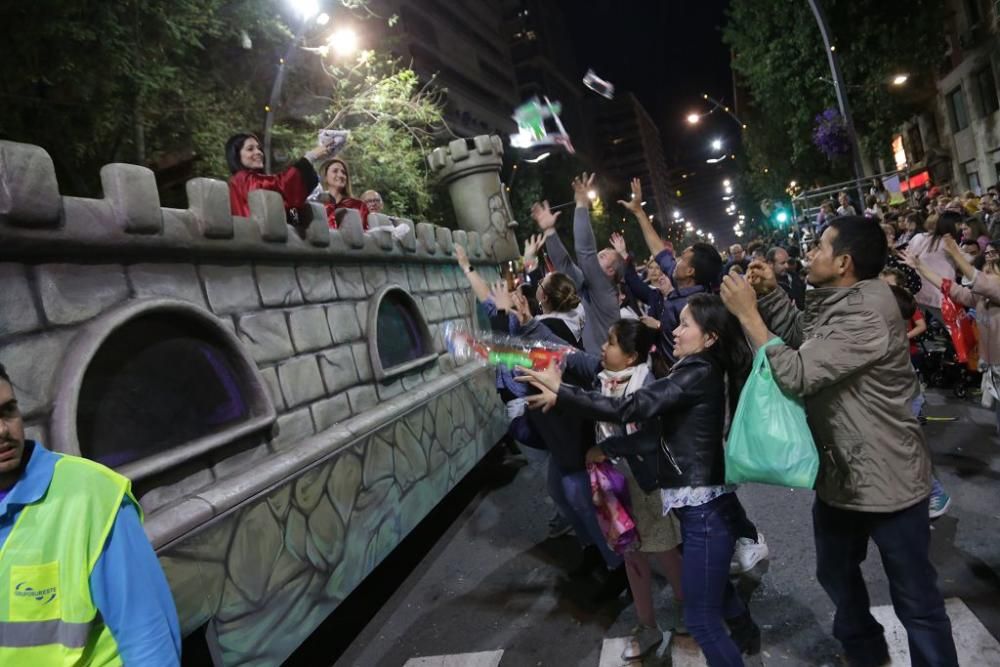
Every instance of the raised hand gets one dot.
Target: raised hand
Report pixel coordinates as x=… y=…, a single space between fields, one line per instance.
x=521 y=307
x=664 y=285
x=950 y=246
x=550 y=378
x=739 y=296
x=583 y=184
x=543 y=216
x=633 y=205
x=650 y=322
x=761 y=277
x=531 y=247
x=618 y=243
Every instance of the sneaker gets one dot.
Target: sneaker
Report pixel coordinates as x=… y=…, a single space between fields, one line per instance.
x=748 y=553
x=644 y=640
x=940 y=502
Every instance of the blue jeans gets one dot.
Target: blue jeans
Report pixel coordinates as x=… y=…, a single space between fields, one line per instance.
x=903 y=541
x=710 y=533
x=571 y=493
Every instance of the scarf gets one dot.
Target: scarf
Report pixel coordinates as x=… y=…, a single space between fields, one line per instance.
x=620 y=383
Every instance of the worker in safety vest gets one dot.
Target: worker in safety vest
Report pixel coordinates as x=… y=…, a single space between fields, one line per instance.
x=80 y=582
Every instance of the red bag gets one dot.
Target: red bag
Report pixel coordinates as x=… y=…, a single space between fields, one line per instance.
x=961 y=326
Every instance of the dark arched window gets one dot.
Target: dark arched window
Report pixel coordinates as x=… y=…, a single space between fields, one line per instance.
x=156 y=383
x=400 y=340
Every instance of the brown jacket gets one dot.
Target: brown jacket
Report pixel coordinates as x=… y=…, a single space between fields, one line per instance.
x=848 y=356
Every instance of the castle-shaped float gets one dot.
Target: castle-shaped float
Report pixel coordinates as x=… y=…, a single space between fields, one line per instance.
x=281 y=401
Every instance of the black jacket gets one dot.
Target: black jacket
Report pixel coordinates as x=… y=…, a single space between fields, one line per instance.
x=690 y=403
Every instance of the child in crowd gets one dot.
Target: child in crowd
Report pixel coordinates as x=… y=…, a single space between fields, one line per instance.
x=621 y=369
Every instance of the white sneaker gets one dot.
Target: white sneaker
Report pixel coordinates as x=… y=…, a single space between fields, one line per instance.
x=748 y=553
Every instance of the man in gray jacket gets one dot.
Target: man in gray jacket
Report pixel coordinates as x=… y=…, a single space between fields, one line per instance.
x=598 y=274
x=846 y=354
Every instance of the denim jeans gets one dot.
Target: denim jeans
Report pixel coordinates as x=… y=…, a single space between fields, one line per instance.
x=903 y=541
x=710 y=533
x=571 y=493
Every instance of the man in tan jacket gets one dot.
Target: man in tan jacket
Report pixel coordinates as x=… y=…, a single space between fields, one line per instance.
x=846 y=354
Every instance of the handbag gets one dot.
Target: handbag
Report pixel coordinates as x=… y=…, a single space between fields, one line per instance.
x=960 y=325
x=609 y=490
x=770 y=441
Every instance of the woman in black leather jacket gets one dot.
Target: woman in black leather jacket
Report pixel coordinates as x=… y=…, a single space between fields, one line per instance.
x=688 y=464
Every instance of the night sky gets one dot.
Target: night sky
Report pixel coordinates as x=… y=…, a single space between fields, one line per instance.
x=668 y=53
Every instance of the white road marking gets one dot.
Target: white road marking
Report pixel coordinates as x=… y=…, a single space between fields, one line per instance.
x=975 y=644
x=481 y=659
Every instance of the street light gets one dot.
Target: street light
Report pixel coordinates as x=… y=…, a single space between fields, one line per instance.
x=900 y=79
x=591 y=195
x=323 y=19
x=726 y=183
x=677 y=215
x=693 y=118
x=343 y=41
x=717 y=144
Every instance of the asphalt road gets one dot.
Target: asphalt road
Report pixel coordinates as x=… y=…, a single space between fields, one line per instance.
x=479 y=574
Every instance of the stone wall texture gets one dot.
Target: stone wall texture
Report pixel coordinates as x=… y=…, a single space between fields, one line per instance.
x=263 y=533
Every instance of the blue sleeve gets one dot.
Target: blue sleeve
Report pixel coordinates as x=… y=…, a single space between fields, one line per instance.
x=131 y=592
x=665 y=259
x=640 y=289
x=584 y=365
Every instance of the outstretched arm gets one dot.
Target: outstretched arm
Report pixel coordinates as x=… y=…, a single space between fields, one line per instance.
x=479 y=286
x=546 y=221
x=634 y=206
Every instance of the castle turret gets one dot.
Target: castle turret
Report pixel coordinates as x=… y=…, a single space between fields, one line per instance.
x=471 y=170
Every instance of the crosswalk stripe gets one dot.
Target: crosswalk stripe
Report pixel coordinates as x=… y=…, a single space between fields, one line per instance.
x=975 y=644
x=480 y=659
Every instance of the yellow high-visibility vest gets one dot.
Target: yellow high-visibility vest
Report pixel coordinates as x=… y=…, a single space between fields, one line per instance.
x=47 y=616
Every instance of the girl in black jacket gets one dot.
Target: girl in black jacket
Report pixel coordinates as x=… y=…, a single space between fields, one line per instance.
x=690 y=404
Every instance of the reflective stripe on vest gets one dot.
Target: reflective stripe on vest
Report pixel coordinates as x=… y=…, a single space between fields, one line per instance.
x=47 y=615
x=41 y=633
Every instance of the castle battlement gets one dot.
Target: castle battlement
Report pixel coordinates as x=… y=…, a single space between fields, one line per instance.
x=281 y=400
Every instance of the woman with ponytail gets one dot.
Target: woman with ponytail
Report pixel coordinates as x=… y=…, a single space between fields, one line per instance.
x=688 y=462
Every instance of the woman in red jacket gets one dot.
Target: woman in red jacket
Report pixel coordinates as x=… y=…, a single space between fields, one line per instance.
x=246 y=162
x=336 y=183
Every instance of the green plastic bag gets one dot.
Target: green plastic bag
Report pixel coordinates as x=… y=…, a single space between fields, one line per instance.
x=770 y=441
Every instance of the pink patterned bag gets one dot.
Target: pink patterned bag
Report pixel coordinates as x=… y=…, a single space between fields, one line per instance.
x=611 y=501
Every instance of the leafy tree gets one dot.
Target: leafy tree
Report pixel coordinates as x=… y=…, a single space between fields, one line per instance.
x=94 y=83
x=778 y=54
x=395 y=121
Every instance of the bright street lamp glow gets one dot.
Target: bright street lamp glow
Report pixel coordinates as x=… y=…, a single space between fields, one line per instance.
x=323 y=19
x=693 y=118
x=717 y=144
x=782 y=217
x=729 y=190
x=900 y=79
x=677 y=215
x=726 y=183
x=591 y=194
x=305 y=8
x=343 y=41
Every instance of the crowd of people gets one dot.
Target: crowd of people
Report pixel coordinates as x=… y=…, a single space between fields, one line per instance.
x=661 y=351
